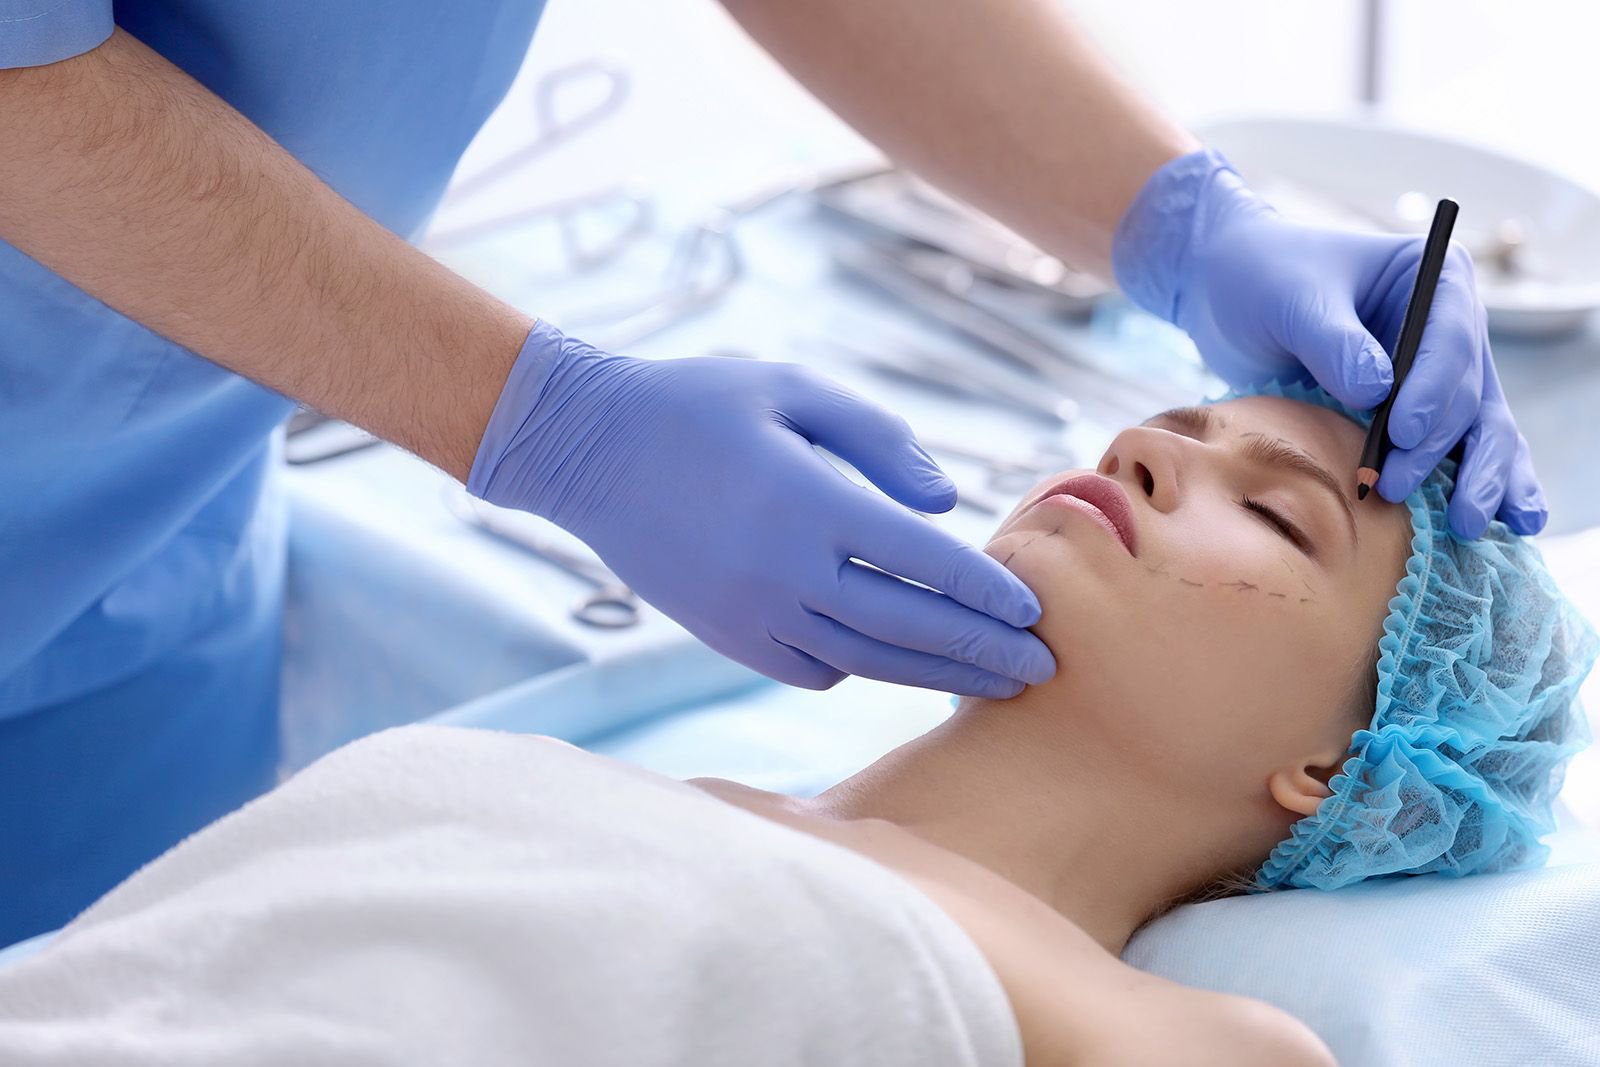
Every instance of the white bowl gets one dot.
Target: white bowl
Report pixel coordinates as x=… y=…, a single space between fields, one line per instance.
x=1373 y=176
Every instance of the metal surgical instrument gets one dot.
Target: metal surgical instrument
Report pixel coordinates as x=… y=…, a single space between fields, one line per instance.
x=705 y=264
x=626 y=215
x=928 y=284
x=970 y=379
x=611 y=606
x=553 y=128
x=896 y=204
x=304 y=444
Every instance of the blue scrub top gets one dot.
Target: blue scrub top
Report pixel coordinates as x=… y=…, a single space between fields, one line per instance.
x=135 y=534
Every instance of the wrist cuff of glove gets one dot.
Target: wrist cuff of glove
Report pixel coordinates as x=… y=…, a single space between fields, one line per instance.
x=518 y=403
x=1151 y=243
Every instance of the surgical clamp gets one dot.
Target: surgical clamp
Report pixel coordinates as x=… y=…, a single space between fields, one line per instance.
x=611 y=606
x=923 y=282
x=705 y=263
x=953 y=376
x=553 y=129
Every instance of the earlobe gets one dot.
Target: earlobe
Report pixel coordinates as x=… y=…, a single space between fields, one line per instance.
x=1297 y=790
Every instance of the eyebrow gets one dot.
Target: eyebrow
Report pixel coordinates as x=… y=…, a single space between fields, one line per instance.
x=1260 y=449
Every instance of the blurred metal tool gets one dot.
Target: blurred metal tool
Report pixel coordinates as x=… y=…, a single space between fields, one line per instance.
x=895 y=204
x=705 y=264
x=624 y=213
x=552 y=128
x=1500 y=248
x=311 y=437
x=940 y=296
x=951 y=375
x=612 y=605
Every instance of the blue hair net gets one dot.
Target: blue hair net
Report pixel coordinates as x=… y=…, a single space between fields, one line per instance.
x=1477 y=712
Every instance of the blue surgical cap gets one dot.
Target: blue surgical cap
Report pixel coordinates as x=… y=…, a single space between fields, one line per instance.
x=1477 y=711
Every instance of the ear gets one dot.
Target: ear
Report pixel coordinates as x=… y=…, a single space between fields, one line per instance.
x=1301 y=788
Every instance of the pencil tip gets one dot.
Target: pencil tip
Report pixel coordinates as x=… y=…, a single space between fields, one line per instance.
x=1362 y=490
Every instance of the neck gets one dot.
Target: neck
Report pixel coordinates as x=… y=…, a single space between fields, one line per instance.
x=1006 y=787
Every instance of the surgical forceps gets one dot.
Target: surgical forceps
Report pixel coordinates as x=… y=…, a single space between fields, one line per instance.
x=554 y=128
x=611 y=606
x=705 y=264
x=937 y=288
x=968 y=379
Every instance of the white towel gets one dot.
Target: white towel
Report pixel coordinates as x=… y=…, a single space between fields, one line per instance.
x=443 y=896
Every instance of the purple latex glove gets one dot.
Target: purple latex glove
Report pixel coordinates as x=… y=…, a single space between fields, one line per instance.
x=696 y=481
x=1265 y=298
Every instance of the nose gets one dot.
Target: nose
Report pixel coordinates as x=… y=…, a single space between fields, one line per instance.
x=1146 y=461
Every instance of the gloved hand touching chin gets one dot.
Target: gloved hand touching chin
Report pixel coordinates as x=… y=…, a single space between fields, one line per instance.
x=695 y=480
x=1266 y=298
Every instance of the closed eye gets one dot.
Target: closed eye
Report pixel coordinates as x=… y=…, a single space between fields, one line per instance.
x=1203 y=424
x=1287 y=529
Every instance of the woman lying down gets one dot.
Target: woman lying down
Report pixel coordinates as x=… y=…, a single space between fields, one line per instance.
x=1264 y=685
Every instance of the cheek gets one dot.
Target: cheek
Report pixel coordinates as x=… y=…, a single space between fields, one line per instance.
x=1260 y=619
x=1185 y=658
x=1201 y=593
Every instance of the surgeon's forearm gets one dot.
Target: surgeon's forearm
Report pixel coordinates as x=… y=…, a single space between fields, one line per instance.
x=124 y=175
x=1005 y=103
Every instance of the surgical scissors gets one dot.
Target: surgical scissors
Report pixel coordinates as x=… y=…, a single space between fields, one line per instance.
x=705 y=263
x=611 y=606
x=933 y=287
x=970 y=379
x=554 y=128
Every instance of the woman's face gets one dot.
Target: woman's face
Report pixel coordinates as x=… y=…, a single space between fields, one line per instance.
x=1237 y=627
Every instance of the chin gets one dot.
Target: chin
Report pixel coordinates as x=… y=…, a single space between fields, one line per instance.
x=1059 y=553
x=1086 y=597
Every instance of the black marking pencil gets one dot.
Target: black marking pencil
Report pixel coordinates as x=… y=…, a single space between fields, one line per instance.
x=1378 y=445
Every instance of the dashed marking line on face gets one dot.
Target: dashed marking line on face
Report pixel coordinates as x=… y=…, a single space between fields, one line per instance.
x=1160 y=571
x=1290 y=568
x=1013 y=553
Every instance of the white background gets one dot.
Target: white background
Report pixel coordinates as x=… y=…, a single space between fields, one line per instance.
x=711 y=115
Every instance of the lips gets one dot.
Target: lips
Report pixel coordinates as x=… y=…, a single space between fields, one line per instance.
x=1105 y=496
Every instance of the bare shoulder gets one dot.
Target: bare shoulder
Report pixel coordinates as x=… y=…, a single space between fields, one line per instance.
x=1250 y=1031
x=1166 y=1023
x=1275 y=1036
x=1074 y=1002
